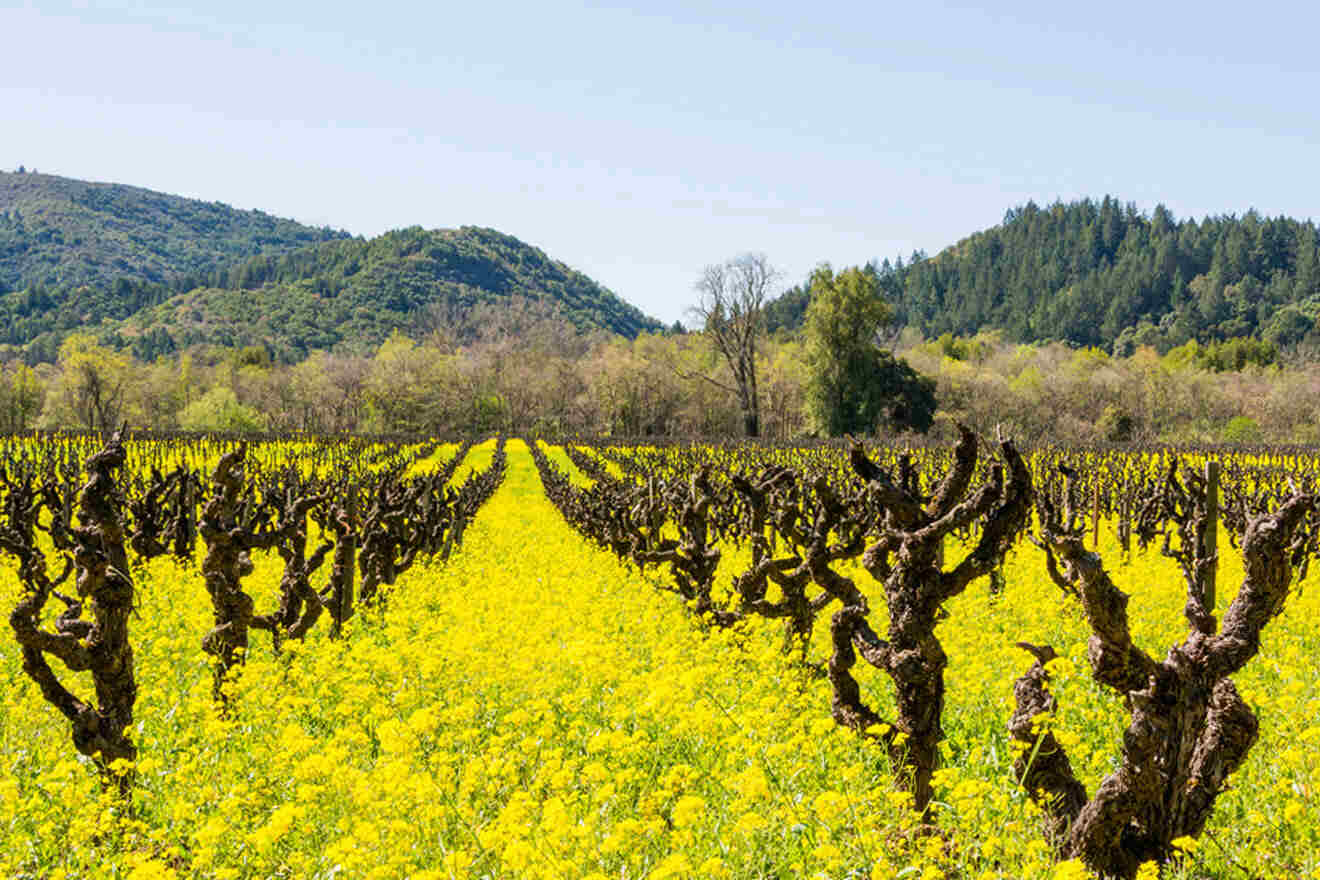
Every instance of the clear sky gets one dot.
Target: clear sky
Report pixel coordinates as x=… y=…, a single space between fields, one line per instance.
x=641 y=142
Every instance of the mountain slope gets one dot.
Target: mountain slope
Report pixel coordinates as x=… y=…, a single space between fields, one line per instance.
x=160 y=272
x=60 y=233
x=355 y=293
x=1104 y=274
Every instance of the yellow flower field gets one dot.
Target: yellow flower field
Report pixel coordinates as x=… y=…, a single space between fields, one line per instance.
x=532 y=708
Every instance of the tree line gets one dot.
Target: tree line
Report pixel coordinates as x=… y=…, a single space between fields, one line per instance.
x=1103 y=274
x=522 y=366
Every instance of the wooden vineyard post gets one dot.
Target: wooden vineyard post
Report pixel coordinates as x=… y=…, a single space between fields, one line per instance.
x=1211 y=531
x=344 y=524
x=350 y=543
x=1095 y=515
x=1124 y=525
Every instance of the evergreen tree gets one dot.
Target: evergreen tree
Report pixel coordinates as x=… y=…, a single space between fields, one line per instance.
x=1090 y=273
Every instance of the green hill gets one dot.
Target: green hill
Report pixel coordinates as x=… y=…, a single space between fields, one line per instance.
x=1104 y=274
x=158 y=273
x=355 y=293
x=60 y=233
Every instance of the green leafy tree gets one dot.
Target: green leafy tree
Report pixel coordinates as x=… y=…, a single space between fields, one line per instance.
x=1242 y=429
x=410 y=388
x=853 y=385
x=219 y=410
x=89 y=392
x=1288 y=326
x=21 y=396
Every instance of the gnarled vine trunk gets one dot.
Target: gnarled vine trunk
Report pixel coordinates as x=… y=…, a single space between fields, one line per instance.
x=1189 y=729
x=99 y=645
x=233 y=525
x=906 y=557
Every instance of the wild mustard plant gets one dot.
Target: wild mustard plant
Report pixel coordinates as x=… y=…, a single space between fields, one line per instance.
x=532 y=708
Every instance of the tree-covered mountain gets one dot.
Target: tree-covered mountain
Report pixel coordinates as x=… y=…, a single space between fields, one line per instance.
x=1104 y=274
x=57 y=233
x=355 y=293
x=79 y=255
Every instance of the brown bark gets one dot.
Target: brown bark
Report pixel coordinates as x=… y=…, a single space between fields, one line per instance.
x=337 y=598
x=383 y=538
x=1043 y=769
x=1189 y=728
x=99 y=645
x=692 y=559
x=730 y=307
x=232 y=526
x=299 y=606
x=149 y=539
x=906 y=556
x=771 y=503
x=183 y=524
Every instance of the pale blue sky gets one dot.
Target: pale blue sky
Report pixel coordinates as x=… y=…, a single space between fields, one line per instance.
x=640 y=142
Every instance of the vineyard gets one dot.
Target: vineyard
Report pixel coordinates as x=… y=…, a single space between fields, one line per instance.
x=302 y=658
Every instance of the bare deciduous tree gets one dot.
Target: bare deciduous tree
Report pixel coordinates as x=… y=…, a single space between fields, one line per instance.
x=730 y=297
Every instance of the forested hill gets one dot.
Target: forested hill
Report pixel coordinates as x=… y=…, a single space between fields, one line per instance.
x=156 y=273
x=355 y=293
x=57 y=233
x=1102 y=273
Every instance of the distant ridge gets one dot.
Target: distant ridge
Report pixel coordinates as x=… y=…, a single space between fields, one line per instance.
x=355 y=293
x=159 y=272
x=57 y=232
x=1101 y=273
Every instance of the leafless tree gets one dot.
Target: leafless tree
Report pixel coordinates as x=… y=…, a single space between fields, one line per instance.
x=730 y=297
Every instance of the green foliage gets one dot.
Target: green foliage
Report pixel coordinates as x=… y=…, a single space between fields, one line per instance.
x=1086 y=271
x=408 y=388
x=219 y=410
x=1100 y=273
x=21 y=396
x=252 y=356
x=1242 y=429
x=787 y=313
x=74 y=252
x=75 y=255
x=975 y=349
x=356 y=293
x=91 y=387
x=1231 y=355
x=1293 y=324
x=490 y=412
x=854 y=386
x=1116 y=425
